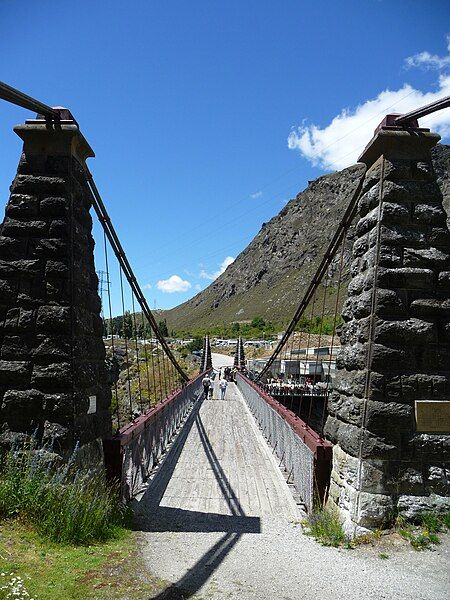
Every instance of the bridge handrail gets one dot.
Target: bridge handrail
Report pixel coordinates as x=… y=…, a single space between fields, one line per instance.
x=305 y=455
x=315 y=442
x=130 y=431
x=132 y=453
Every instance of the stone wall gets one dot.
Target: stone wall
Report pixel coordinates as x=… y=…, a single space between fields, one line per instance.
x=395 y=341
x=52 y=357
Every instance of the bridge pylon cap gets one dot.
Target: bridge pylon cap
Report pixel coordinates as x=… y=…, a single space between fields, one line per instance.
x=399 y=143
x=59 y=137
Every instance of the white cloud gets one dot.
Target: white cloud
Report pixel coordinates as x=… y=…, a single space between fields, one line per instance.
x=427 y=61
x=256 y=195
x=173 y=284
x=224 y=264
x=198 y=287
x=339 y=144
x=147 y=286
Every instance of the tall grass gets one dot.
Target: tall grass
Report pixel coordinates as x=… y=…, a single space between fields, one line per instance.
x=64 y=504
x=324 y=524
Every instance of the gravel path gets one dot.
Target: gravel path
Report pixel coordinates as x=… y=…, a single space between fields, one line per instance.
x=282 y=563
x=229 y=554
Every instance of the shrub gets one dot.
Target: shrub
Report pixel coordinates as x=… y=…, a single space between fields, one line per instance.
x=326 y=527
x=422 y=531
x=65 y=504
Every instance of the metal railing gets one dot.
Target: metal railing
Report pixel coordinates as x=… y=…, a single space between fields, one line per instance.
x=133 y=453
x=305 y=456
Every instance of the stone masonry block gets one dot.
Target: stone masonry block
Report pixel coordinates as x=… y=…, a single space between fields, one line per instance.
x=431 y=214
x=369 y=201
x=50 y=349
x=393 y=214
x=21 y=205
x=386 y=419
x=53 y=248
x=410 y=506
x=430 y=308
x=12 y=247
x=37 y=184
x=409 y=278
x=405 y=332
x=16 y=228
x=444 y=281
x=394 y=360
x=360 y=246
x=14 y=347
x=374 y=509
x=54 y=207
x=347 y=408
x=58 y=228
x=439 y=237
x=22 y=406
x=399 y=235
x=15 y=372
x=54 y=376
x=53 y=318
x=8 y=292
x=430 y=448
x=55 y=268
x=429 y=258
x=438 y=479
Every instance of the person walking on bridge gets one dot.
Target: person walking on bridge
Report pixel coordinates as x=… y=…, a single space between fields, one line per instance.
x=206 y=382
x=223 y=387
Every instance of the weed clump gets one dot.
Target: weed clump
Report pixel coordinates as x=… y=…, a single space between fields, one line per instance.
x=422 y=531
x=64 y=504
x=326 y=527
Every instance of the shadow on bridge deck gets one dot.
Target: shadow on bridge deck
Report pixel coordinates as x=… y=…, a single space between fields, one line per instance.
x=219 y=477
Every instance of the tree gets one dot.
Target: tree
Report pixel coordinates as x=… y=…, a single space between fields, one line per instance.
x=162 y=326
x=235 y=328
x=127 y=325
x=196 y=344
x=258 y=323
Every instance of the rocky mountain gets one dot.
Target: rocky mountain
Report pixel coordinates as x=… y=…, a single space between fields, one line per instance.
x=270 y=276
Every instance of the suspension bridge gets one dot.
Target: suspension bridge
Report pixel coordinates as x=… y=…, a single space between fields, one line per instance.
x=350 y=410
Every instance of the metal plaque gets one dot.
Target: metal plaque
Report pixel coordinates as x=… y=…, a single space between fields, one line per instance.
x=433 y=416
x=92 y=405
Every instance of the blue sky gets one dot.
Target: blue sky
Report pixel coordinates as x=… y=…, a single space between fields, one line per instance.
x=207 y=116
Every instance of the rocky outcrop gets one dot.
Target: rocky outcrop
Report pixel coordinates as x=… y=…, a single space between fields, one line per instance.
x=270 y=276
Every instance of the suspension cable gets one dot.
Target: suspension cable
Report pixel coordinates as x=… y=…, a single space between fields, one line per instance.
x=106 y=223
x=17 y=97
x=321 y=270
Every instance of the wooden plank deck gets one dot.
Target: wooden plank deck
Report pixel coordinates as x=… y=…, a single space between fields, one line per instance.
x=221 y=465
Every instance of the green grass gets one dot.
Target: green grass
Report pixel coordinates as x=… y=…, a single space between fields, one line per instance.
x=50 y=571
x=63 y=504
x=326 y=527
x=422 y=531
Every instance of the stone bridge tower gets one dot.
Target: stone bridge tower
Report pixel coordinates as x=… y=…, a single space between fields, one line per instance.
x=52 y=357
x=389 y=413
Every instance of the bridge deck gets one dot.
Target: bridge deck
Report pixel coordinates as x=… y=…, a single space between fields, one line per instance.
x=221 y=465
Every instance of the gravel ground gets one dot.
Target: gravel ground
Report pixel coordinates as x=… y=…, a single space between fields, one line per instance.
x=213 y=556
x=283 y=563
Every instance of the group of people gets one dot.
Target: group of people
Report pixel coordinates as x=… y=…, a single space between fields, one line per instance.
x=208 y=386
x=295 y=387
